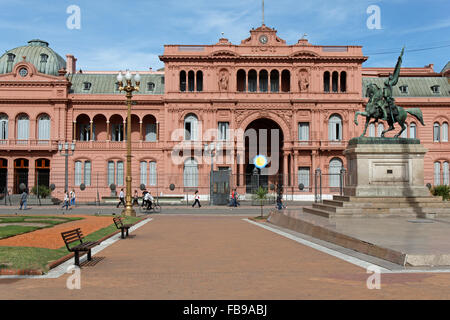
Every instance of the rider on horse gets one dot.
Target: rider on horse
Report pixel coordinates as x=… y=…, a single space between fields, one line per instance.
x=387 y=91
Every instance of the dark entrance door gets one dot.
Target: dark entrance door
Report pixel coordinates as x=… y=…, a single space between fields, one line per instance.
x=20 y=174
x=221 y=187
x=3 y=175
x=42 y=173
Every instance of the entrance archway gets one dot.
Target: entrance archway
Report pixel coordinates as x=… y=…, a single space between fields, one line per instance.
x=263 y=137
x=20 y=174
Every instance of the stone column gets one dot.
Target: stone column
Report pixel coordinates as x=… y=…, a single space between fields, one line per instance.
x=91 y=131
x=285 y=168
x=74 y=131
x=108 y=131
x=140 y=131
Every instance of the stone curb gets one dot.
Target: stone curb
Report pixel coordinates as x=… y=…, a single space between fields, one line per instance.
x=39 y=272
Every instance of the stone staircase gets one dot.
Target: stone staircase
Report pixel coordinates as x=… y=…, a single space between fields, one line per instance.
x=32 y=200
x=346 y=206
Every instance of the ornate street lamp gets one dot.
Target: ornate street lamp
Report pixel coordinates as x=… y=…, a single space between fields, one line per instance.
x=212 y=152
x=129 y=89
x=66 y=153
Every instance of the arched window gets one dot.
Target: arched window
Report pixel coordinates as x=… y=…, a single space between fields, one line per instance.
x=285 y=81
x=372 y=130
x=111 y=169
x=252 y=75
x=436 y=132
x=183 y=81
x=150 y=86
x=241 y=80
x=78 y=175
x=380 y=129
x=190 y=173
x=405 y=132
x=87 y=173
x=445 y=132
x=153 y=174
x=190 y=127
x=263 y=81
x=445 y=173
x=274 y=81
x=335 y=128
x=437 y=173
x=143 y=173
x=413 y=131
x=191 y=81
x=23 y=127
x=326 y=81
x=119 y=173
x=343 y=81
x=335 y=79
x=44 y=127
x=199 y=81
x=335 y=172
x=4 y=127
x=43 y=62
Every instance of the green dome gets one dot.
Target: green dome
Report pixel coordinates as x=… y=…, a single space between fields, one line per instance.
x=36 y=52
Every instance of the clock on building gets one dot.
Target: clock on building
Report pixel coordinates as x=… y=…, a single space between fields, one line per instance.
x=263 y=39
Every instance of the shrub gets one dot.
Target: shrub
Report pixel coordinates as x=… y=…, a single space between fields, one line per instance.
x=442 y=191
x=44 y=191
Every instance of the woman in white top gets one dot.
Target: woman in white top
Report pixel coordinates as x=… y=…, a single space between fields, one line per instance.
x=197 y=200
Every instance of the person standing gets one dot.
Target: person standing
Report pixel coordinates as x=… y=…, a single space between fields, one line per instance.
x=23 y=200
x=197 y=200
x=72 y=198
x=121 y=198
x=149 y=200
x=135 y=198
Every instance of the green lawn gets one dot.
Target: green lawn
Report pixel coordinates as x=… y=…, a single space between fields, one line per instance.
x=39 y=258
x=9 y=231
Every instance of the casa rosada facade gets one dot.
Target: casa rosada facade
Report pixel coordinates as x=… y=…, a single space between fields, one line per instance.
x=309 y=93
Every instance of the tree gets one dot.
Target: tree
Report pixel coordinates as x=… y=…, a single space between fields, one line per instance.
x=261 y=195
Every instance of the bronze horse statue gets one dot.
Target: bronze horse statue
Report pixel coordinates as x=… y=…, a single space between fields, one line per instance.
x=374 y=111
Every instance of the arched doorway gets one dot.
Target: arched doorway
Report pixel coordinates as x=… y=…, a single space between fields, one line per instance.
x=20 y=174
x=263 y=137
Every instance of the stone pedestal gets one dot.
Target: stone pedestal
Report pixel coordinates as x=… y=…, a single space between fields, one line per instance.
x=385 y=167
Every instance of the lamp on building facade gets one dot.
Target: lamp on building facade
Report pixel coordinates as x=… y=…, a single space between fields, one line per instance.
x=129 y=89
x=64 y=151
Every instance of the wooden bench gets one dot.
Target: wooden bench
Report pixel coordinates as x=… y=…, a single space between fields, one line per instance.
x=76 y=235
x=118 y=221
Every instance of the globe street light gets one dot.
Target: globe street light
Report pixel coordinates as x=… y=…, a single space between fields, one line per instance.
x=66 y=153
x=129 y=89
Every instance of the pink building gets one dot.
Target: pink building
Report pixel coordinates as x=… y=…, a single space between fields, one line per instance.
x=205 y=93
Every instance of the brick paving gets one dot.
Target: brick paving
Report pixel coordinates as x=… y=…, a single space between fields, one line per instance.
x=218 y=257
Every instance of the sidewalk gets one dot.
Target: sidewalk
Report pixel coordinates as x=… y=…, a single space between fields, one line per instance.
x=221 y=258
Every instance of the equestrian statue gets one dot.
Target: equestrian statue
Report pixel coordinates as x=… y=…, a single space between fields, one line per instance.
x=381 y=105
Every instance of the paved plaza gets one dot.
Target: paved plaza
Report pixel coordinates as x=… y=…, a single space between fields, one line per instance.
x=217 y=257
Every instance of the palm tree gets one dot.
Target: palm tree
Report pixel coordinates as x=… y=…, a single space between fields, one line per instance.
x=261 y=195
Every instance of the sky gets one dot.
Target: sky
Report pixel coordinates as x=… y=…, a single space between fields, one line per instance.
x=119 y=35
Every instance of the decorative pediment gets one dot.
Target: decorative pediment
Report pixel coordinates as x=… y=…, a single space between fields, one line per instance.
x=224 y=54
x=304 y=54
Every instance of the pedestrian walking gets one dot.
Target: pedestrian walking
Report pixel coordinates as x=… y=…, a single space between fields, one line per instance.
x=197 y=200
x=72 y=198
x=121 y=198
x=23 y=200
x=66 y=200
